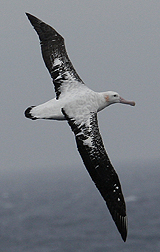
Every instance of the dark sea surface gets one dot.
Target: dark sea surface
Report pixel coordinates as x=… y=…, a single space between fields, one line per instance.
x=60 y=209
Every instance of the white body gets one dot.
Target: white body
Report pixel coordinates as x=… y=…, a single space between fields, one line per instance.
x=84 y=99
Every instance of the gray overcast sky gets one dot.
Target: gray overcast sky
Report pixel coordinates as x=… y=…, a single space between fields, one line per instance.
x=114 y=45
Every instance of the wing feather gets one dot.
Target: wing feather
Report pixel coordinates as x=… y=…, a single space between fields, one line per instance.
x=55 y=55
x=95 y=158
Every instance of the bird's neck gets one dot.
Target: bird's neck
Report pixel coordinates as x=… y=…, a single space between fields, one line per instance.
x=102 y=102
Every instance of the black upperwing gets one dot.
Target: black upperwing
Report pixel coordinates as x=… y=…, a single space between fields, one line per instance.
x=54 y=55
x=95 y=158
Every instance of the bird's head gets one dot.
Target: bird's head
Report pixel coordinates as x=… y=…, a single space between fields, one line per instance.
x=112 y=97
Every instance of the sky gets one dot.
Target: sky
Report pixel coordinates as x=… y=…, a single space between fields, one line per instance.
x=113 y=45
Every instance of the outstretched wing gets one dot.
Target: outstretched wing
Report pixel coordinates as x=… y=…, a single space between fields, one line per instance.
x=55 y=56
x=95 y=158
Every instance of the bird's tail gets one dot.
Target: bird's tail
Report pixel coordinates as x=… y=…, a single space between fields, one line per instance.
x=28 y=113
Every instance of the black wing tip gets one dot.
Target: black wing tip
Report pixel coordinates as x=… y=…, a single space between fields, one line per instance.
x=28 y=113
x=28 y=14
x=120 y=220
x=44 y=31
x=124 y=233
x=122 y=225
x=33 y=19
x=124 y=238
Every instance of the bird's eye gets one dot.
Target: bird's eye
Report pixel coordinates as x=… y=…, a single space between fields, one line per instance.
x=115 y=95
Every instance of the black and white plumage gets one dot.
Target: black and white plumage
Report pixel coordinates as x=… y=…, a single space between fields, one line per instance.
x=79 y=105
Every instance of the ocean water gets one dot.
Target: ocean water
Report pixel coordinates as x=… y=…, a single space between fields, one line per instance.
x=59 y=209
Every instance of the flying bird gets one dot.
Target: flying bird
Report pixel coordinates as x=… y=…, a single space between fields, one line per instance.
x=79 y=105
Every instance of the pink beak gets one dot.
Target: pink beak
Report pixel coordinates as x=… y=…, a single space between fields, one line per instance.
x=132 y=103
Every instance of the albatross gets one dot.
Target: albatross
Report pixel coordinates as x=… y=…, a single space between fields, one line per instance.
x=79 y=105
